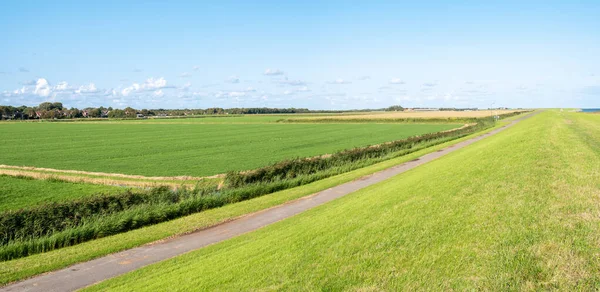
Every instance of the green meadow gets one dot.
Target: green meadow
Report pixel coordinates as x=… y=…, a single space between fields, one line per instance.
x=515 y=211
x=181 y=148
x=20 y=192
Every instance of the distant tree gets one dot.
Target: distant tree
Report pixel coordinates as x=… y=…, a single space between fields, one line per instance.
x=130 y=112
x=30 y=113
x=45 y=106
x=94 y=112
x=116 y=114
x=394 y=108
x=50 y=114
x=57 y=105
x=73 y=113
x=4 y=111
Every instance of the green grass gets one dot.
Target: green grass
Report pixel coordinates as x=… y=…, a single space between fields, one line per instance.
x=17 y=193
x=25 y=267
x=516 y=211
x=185 y=149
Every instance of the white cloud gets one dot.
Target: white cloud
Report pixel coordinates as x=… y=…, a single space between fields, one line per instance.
x=42 y=88
x=233 y=79
x=364 y=77
x=236 y=94
x=196 y=68
x=127 y=90
x=185 y=75
x=273 y=72
x=293 y=82
x=89 y=88
x=61 y=86
x=396 y=81
x=250 y=89
x=144 y=94
x=150 y=84
x=186 y=86
x=158 y=93
x=20 y=91
x=303 y=89
x=339 y=81
x=288 y=92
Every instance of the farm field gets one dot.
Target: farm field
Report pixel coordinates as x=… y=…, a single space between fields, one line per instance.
x=185 y=149
x=245 y=119
x=17 y=193
x=411 y=115
x=516 y=211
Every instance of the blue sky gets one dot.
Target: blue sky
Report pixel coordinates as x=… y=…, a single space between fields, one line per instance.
x=315 y=54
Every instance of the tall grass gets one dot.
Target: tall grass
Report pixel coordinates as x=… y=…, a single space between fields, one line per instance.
x=47 y=219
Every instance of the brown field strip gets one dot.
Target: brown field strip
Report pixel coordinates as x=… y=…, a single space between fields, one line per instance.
x=417 y=114
x=117 y=175
x=95 y=180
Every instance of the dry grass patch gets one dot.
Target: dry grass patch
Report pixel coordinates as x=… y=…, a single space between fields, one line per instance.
x=93 y=180
x=418 y=114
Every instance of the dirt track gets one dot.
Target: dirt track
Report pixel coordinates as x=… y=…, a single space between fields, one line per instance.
x=88 y=273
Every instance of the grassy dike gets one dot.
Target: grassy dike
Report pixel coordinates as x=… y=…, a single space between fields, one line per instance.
x=516 y=211
x=35 y=264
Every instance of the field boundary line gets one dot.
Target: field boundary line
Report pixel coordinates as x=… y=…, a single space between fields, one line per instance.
x=93 y=180
x=108 y=174
x=91 y=272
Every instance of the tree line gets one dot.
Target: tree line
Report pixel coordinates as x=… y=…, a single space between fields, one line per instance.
x=56 y=110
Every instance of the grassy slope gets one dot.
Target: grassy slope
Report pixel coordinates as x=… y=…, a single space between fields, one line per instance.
x=40 y=263
x=517 y=211
x=16 y=193
x=184 y=149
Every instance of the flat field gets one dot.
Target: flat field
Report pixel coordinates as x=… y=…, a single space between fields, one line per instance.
x=516 y=211
x=411 y=115
x=16 y=193
x=179 y=148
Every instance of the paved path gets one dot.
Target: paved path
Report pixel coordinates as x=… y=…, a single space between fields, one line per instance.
x=88 y=273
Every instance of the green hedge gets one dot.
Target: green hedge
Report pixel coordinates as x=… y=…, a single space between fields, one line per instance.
x=50 y=218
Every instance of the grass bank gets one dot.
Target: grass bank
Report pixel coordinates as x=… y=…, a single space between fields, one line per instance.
x=516 y=211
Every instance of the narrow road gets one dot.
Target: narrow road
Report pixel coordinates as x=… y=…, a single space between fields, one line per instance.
x=94 y=271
